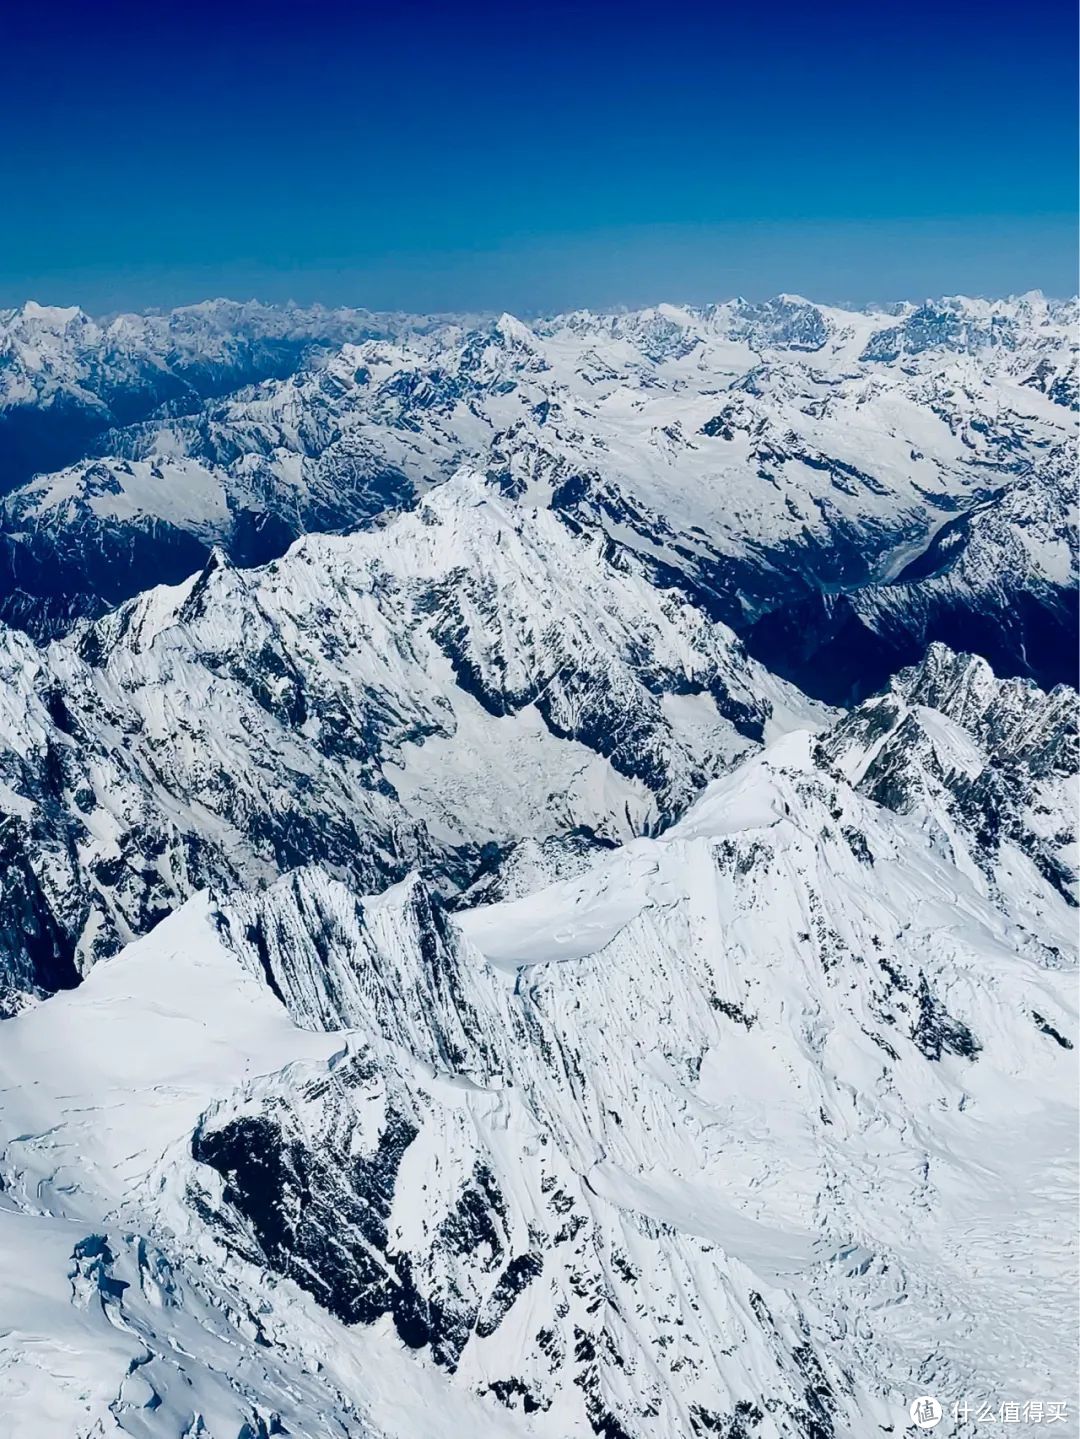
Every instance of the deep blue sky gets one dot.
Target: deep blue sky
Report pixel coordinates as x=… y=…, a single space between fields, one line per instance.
x=534 y=156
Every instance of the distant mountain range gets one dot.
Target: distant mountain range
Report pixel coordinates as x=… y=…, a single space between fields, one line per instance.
x=839 y=487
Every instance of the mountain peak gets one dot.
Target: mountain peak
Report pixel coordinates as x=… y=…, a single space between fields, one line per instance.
x=55 y=317
x=513 y=331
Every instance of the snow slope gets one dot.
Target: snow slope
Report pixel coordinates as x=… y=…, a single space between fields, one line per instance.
x=117 y=1314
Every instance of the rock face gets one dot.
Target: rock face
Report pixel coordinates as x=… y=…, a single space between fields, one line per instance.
x=453 y=982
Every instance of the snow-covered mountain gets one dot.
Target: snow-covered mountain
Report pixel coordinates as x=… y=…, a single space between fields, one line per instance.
x=987 y=765
x=65 y=378
x=726 y=1135
x=821 y=479
x=583 y=945
x=999 y=578
x=471 y=676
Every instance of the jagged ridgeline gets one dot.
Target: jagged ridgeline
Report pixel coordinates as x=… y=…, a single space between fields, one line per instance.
x=583 y=945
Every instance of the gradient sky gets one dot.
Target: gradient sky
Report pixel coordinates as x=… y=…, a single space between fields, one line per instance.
x=536 y=156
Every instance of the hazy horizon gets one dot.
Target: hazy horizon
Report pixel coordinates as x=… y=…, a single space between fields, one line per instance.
x=478 y=157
